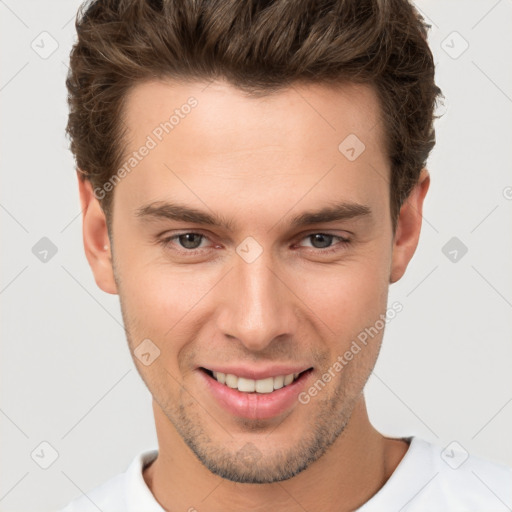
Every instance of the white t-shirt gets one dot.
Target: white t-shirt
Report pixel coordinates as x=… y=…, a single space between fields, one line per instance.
x=428 y=479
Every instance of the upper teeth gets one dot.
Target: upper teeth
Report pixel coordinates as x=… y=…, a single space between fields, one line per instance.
x=259 y=386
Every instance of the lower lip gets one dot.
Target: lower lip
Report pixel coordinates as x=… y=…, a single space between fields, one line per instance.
x=255 y=405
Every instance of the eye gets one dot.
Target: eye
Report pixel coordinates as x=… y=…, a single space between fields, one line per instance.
x=323 y=241
x=188 y=241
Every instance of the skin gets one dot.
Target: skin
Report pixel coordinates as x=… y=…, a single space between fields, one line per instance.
x=258 y=162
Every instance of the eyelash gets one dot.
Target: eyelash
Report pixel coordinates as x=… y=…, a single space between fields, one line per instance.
x=166 y=242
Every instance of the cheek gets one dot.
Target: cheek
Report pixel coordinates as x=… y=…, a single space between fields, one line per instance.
x=350 y=301
x=154 y=293
x=163 y=304
x=157 y=307
x=347 y=297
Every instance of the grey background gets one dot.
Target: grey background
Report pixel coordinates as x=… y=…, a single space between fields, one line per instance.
x=67 y=377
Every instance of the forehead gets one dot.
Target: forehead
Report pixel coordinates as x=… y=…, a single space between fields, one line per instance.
x=213 y=138
x=320 y=114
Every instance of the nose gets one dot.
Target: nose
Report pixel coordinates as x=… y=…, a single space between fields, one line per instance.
x=257 y=304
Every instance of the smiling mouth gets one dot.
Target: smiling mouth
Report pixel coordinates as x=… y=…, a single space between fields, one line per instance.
x=264 y=386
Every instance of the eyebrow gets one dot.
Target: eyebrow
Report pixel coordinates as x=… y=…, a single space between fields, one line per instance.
x=178 y=212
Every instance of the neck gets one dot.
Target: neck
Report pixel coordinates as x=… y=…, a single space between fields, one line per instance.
x=352 y=470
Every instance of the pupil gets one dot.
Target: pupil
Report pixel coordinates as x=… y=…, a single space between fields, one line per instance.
x=186 y=241
x=327 y=239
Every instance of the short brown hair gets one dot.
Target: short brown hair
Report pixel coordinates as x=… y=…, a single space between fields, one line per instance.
x=259 y=46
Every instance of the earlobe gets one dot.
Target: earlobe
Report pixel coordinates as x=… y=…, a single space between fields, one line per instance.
x=408 y=228
x=95 y=237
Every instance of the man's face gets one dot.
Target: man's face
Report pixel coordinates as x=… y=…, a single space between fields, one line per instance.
x=263 y=296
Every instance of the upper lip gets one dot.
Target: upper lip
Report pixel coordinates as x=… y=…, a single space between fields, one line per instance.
x=264 y=372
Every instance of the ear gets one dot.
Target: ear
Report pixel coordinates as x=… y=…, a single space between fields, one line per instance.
x=408 y=227
x=95 y=236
